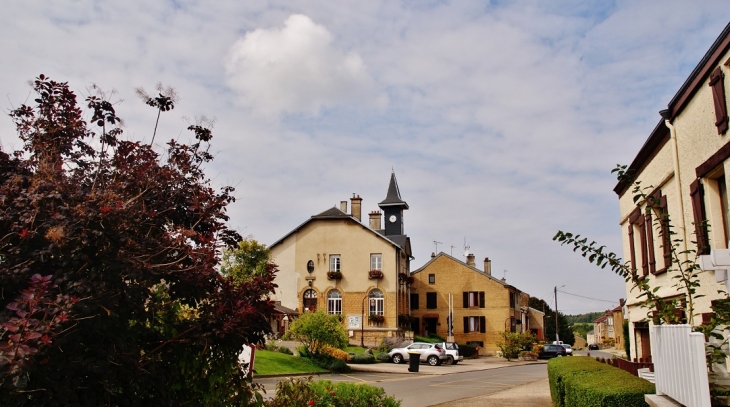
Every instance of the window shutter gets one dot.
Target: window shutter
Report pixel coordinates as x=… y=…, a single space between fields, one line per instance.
x=696 y=193
x=666 y=238
x=483 y=324
x=717 y=84
x=631 y=247
x=650 y=242
x=642 y=241
x=466 y=299
x=466 y=324
x=481 y=299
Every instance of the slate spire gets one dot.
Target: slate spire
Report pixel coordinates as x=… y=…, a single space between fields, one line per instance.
x=393 y=197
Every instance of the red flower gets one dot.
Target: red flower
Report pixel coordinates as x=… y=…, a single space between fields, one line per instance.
x=310 y=403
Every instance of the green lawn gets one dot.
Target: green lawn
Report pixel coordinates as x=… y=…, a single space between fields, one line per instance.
x=268 y=362
x=355 y=349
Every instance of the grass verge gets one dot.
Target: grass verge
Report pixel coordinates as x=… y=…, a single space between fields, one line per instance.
x=269 y=363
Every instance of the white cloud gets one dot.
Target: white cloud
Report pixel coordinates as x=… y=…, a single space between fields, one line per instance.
x=297 y=69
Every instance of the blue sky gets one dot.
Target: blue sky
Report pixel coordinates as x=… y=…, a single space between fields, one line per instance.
x=502 y=120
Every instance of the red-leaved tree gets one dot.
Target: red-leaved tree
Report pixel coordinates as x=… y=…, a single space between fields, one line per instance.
x=108 y=254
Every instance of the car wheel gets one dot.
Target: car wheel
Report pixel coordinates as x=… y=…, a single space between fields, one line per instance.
x=560 y=356
x=397 y=358
x=450 y=360
x=434 y=360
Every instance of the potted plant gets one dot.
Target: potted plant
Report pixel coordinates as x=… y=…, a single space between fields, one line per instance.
x=376 y=319
x=334 y=275
x=375 y=274
x=404 y=321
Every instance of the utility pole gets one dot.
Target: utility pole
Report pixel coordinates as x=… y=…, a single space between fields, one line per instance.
x=557 y=338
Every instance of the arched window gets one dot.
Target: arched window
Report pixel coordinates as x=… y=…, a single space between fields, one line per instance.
x=376 y=302
x=310 y=300
x=334 y=302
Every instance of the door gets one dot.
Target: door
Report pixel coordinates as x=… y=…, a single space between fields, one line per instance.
x=429 y=326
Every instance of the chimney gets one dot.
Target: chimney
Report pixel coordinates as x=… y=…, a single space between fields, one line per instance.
x=470 y=260
x=487 y=266
x=355 y=205
x=375 y=220
x=343 y=206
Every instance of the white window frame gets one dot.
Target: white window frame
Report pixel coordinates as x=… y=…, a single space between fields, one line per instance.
x=335 y=263
x=473 y=299
x=376 y=261
x=334 y=302
x=376 y=302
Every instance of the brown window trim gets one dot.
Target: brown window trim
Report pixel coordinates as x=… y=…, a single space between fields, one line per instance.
x=714 y=161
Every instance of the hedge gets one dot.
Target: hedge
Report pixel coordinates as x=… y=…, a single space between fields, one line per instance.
x=362 y=358
x=583 y=382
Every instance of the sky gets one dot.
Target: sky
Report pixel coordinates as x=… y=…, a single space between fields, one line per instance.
x=501 y=119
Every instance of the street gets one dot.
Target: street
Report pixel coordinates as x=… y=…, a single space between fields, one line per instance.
x=426 y=390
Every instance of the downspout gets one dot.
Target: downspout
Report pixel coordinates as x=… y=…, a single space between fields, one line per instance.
x=666 y=115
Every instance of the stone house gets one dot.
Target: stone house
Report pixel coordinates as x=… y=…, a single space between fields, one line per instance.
x=482 y=306
x=683 y=165
x=335 y=262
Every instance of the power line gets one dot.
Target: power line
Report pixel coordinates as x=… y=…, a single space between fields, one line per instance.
x=590 y=298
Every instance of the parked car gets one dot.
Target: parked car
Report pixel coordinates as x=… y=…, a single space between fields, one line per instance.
x=431 y=353
x=593 y=346
x=552 y=351
x=568 y=349
x=453 y=356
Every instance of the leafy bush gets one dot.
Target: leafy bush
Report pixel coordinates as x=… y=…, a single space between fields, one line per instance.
x=468 y=351
x=382 y=357
x=582 y=381
x=362 y=358
x=317 y=329
x=331 y=364
x=431 y=338
x=335 y=353
x=303 y=392
x=303 y=352
x=284 y=350
x=513 y=342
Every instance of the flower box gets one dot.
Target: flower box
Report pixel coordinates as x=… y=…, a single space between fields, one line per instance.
x=376 y=319
x=334 y=275
x=375 y=274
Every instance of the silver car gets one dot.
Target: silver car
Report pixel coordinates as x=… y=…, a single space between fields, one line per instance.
x=430 y=353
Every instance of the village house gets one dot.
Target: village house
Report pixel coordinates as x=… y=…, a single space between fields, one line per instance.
x=335 y=262
x=481 y=305
x=683 y=165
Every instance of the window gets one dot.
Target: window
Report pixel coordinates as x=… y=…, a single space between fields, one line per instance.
x=431 y=300
x=335 y=262
x=376 y=262
x=334 y=302
x=644 y=224
x=716 y=200
x=310 y=300
x=432 y=278
x=475 y=324
x=473 y=299
x=376 y=302
x=414 y=301
x=697 y=195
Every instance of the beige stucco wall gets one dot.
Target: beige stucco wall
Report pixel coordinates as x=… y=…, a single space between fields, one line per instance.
x=696 y=141
x=319 y=239
x=454 y=277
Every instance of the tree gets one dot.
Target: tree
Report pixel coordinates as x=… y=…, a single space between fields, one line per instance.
x=249 y=259
x=564 y=329
x=317 y=329
x=108 y=259
x=514 y=342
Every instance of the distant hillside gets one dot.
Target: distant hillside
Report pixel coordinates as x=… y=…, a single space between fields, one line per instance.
x=589 y=317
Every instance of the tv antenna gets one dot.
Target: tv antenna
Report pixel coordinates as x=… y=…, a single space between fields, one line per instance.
x=452 y=250
x=437 y=245
x=466 y=248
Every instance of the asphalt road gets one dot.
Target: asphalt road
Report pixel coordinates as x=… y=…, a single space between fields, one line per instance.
x=427 y=390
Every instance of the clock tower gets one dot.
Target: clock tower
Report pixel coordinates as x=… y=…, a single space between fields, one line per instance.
x=393 y=207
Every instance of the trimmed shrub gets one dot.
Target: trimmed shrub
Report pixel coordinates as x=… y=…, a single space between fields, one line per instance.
x=467 y=351
x=432 y=338
x=284 y=350
x=362 y=358
x=335 y=353
x=581 y=381
x=303 y=352
x=382 y=357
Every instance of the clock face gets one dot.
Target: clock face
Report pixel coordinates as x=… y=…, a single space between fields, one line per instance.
x=392 y=218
